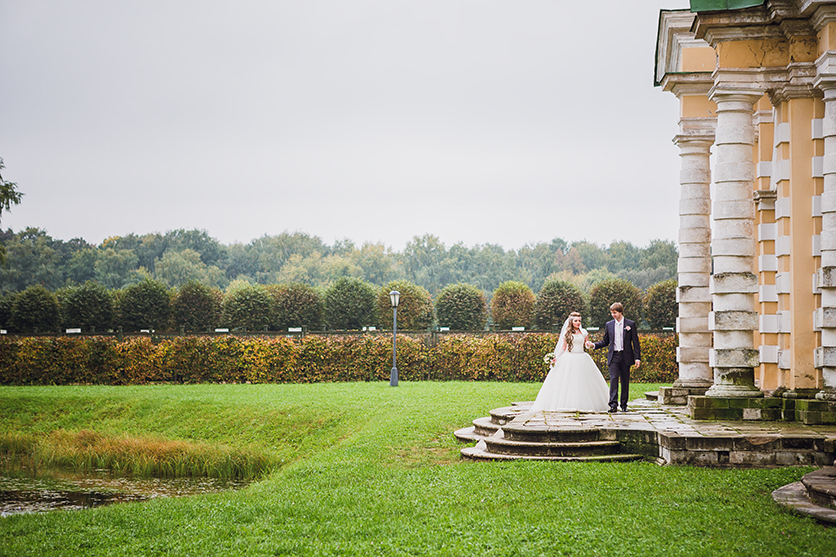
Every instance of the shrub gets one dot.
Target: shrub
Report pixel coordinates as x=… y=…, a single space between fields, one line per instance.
x=145 y=305
x=415 y=309
x=660 y=306
x=512 y=305
x=350 y=304
x=556 y=300
x=6 y=303
x=609 y=291
x=295 y=305
x=35 y=310
x=89 y=306
x=246 y=306
x=313 y=358
x=196 y=307
x=461 y=307
x=658 y=359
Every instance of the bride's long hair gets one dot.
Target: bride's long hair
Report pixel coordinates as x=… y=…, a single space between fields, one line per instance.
x=570 y=330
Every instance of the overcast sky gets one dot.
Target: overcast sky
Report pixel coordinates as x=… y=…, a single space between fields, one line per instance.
x=478 y=121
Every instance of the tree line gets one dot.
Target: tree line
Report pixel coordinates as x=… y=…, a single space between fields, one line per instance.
x=176 y=257
x=347 y=304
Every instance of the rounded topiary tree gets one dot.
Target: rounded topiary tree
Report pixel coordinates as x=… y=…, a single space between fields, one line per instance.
x=89 y=306
x=196 y=307
x=609 y=291
x=145 y=305
x=461 y=307
x=415 y=309
x=295 y=305
x=556 y=300
x=35 y=310
x=660 y=307
x=350 y=303
x=246 y=306
x=512 y=305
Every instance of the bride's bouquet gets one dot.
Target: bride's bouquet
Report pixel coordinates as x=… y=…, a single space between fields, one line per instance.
x=548 y=359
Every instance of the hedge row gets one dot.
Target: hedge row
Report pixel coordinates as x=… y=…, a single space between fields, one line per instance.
x=313 y=358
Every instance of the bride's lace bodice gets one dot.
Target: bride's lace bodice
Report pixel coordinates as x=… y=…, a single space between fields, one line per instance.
x=577 y=344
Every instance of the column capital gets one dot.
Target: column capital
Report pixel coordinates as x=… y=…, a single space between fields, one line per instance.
x=724 y=93
x=799 y=83
x=698 y=143
x=765 y=199
x=826 y=73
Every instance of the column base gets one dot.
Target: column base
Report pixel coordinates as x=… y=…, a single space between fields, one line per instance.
x=734 y=391
x=695 y=383
x=734 y=382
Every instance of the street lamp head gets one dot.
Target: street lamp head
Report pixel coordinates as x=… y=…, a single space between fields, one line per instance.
x=394 y=297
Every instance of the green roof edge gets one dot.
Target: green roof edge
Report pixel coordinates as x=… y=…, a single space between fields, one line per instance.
x=717 y=5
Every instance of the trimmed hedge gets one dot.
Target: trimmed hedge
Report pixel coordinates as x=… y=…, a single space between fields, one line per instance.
x=312 y=358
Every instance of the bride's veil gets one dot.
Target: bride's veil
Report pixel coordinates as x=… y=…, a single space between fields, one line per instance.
x=560 y=347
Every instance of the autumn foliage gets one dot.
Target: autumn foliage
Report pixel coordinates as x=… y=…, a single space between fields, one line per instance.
x=63 y=360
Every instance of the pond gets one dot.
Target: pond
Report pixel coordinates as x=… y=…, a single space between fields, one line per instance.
x=24 y=493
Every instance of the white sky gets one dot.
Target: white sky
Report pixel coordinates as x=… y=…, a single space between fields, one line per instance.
x=478 y=121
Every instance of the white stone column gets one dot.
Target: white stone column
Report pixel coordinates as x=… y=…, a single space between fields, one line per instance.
x=694 y=264
x=733 y=286
x=825 y=355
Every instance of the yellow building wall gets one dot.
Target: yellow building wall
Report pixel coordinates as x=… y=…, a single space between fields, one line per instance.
x=755 y=53
x=702 y=59
x=697 y=106
x=767 y=376
x=800 y=264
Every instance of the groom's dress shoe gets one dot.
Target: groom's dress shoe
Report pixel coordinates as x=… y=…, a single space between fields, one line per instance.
x=612 y=410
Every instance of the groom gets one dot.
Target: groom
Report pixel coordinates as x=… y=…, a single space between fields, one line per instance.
x=622 y=337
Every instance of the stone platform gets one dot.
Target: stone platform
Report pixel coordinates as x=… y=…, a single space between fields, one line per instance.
x=663 y=433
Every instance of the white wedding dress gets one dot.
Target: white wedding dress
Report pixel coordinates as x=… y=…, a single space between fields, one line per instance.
x=574 y=383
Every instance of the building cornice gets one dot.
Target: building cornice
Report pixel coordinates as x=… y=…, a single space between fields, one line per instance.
x=688 y=83
x=823 y=15
x=674 y=35
x=776 y=19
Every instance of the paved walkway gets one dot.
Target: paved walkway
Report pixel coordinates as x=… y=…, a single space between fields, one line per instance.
x=647 y=415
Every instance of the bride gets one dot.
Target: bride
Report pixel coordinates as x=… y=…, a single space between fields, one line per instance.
x=574 y=382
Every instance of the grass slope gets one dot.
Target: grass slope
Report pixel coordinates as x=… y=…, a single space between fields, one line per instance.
x=365 y=469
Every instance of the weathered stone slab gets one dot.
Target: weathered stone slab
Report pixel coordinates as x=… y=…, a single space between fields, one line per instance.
x=734 y=357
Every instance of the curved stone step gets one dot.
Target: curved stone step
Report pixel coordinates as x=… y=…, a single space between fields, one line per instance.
x=485 y=427
x=795 y=497
x=481 y=428
x=567 y=449
x=466 y=434
x=551 y=434
x=501 y=416
x=821 y=486
x=475 y=453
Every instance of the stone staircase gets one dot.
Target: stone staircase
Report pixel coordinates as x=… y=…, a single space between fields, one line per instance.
x=814 y=495
x=505 y=435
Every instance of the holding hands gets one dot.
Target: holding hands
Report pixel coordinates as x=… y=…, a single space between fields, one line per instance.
x=589 y=344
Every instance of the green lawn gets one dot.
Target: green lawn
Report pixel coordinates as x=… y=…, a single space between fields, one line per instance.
x=365 y=469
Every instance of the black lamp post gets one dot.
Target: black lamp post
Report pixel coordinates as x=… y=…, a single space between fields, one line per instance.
x=394 y=297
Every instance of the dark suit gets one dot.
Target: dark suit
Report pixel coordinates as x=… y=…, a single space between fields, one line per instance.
x=619 y=363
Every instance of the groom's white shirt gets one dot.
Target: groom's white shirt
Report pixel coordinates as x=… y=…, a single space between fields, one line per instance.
x=618 y=335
